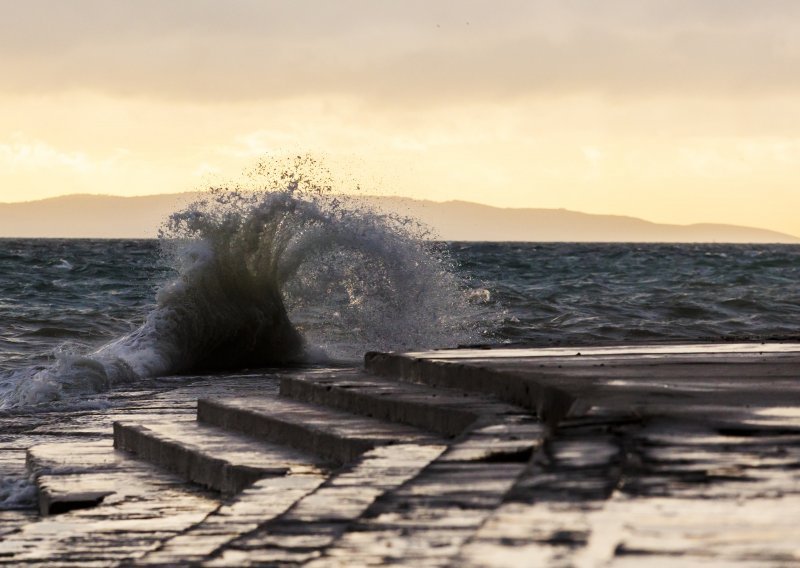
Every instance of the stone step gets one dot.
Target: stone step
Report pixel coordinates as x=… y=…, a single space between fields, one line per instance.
x=112 y=508
x=330 y=434
x=544 y=397
x=59 y=482
x=215 y=458
x=446 y=411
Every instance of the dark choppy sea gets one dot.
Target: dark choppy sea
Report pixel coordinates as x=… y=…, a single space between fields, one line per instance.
x=72 y=296
x=570 y=293
x=253 y=278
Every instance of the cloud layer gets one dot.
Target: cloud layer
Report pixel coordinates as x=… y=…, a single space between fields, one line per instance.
x=676 y=111
x=412 y=52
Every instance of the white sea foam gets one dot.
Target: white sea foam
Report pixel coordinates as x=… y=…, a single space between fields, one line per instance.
x=274 y=271
x=16 y=493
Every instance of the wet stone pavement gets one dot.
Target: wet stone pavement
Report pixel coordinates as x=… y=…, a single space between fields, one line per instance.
x=71 y=451
x=673 y=455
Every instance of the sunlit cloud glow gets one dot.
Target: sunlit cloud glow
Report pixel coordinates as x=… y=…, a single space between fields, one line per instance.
x=676 y=111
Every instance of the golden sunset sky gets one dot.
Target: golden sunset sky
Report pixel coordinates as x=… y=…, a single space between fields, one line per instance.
x=675 y=111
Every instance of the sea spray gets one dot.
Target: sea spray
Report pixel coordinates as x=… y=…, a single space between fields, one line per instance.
x=273 y=271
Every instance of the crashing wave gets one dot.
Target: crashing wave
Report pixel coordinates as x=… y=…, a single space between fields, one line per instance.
x=276 y=272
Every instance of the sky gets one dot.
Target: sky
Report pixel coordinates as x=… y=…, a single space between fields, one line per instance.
x=675 y=111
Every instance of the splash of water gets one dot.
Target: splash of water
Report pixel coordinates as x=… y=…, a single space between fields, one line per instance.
x=271 y=273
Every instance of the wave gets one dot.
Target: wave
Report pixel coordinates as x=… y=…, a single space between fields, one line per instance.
x=272 y=276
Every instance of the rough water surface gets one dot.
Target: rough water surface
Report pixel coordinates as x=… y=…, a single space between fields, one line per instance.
x=63 y=299
x=595 y=292
x=241 y=279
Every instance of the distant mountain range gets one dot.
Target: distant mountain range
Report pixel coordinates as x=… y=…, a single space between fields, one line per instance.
x=103 y=216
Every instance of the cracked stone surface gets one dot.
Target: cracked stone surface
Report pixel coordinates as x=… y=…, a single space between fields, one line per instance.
x=213 y=457
x=71 y=452
x=668 y=455
x=318 y=519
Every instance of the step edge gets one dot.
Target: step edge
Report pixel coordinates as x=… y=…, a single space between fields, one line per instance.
x=192 y=463
x=261 y=425
x=441 y=419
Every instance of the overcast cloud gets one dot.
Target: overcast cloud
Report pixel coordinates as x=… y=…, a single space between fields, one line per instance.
x=411 y=52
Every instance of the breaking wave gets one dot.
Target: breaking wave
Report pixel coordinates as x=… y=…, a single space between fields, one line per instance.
x=273 y=273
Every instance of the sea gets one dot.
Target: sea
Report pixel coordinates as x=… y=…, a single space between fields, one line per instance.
x=78 y=317
x=245 y=279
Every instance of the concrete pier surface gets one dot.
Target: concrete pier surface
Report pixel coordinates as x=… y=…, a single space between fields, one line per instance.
x=640 y=455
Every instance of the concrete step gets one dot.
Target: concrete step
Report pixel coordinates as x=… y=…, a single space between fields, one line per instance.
x=330 y=434
x=111 y=508
x=446 y=411
x=215 y=458
x=60 y=487
x=531 y=388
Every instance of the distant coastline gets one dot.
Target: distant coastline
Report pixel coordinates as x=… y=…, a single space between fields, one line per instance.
x=102 y=216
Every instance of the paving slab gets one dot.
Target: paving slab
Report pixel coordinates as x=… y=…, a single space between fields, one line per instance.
x=425 y=521
x=264 y=500
x=314 y=522
x=140 y=515
x=639 y=493
x=80 y=474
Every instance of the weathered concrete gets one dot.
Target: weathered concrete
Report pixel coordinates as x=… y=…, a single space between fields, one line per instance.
x=244 y=513
x=446 y=411
x=623 y=493
x=330 y=434
x=141 y=506
x=210 y=456
x=678 y=459
x=148 y=506
x=427 y=520
x=618 y=456
x=556 y=383
x=318 y=519
x=61 y=479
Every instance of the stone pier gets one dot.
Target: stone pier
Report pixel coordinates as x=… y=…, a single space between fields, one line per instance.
x=675 y=455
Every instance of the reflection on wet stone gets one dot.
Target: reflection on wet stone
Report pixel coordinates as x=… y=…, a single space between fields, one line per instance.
x=667 y=455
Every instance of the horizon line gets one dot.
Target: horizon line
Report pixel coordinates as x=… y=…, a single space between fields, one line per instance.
x=622 y=216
